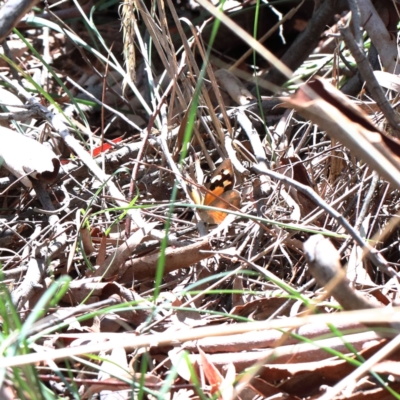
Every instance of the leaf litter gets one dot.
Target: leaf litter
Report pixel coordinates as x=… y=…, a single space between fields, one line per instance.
x=113 y=284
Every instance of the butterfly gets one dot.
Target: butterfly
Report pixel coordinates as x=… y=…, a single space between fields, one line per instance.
x=220 y=194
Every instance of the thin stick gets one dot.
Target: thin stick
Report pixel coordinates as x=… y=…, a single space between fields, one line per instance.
x=371 y=253
x=287 y=16
x=368 y=76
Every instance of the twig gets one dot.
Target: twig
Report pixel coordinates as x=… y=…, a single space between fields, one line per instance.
x=162 y=141
x=262 y=39
x=65 y=204
x=58 y=317
x=17 y=115
x=190 y=301
x=96 y=100
x=32 y=282
x=368 y=76
x=145 y=341
x=356 y=19
x=363 y=369
x=145 y=140
x=252 y=134
x=371 y=253
x=11 y=12
x=324 y=264
x=85 y=157
x=384 y=41
x=43 y=195
x=307 y=40
x=111 y=266
x=364 y=209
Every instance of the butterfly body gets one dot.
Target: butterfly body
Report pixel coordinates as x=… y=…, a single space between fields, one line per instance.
x=219 y=194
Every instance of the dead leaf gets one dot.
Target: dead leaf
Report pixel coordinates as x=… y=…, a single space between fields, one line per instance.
x=23 y=156
x=259 y=309
x=388 y=80
x=333 y=112
x=211 y=373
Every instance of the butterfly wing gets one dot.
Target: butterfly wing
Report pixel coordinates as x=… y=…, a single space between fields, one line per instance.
x=216 y=217
x=195 y=194
x=221 y=181
x=220 y=194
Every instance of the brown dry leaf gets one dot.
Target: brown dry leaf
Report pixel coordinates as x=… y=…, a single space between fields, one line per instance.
x=160 y=191
x=86 y=240
x=113 y=388
x=112 y=265
x=108 y=388
x=176 y=258
x=79 y=290
x=238 y=297
x=24 y=156
x=388 y=368
x=102 y=252
x=267 y=390
x=122 y=295
x=332 y=111
x=295 y=169
x=259 y=309
x=164 y=313
x=219 y=384
x=211 y=373
x=300 y=353
x=371 y=394
x=326 y=372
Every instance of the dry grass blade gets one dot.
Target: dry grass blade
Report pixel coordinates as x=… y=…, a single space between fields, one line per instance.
x=171 y=250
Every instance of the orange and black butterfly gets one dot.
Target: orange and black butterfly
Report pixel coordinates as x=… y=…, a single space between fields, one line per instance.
x=220 y=194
